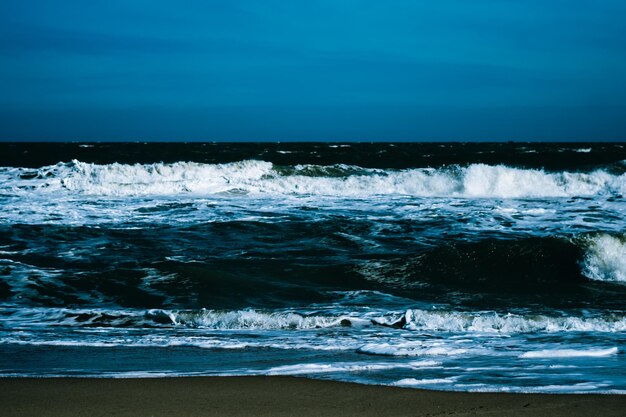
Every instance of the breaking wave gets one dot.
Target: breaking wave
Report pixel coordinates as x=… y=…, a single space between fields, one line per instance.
x=244 y=319
x=491 y=322
x=259 y=177
x=249 y=319
x=605 y=259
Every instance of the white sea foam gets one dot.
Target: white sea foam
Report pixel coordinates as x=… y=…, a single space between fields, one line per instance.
x=65 y=343
x=578 y=388
x=569 y=353
x=605 y=259
x=413 y=348
x=315 y=368
x=476 y=180
x=412 y=382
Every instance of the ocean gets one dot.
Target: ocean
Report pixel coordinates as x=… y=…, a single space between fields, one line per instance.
x=449 y=266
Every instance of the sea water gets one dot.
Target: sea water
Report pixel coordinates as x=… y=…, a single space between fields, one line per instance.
x=466 y=266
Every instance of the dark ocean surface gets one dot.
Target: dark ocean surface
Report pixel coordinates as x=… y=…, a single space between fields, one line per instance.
x=456 y=266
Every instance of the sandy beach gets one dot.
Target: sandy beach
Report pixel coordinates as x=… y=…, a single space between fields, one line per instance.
x=272 y=396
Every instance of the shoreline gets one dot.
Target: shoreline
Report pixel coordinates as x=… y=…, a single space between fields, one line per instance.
x=276 y=395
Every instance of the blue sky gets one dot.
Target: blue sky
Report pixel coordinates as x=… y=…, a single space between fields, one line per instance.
x=315 y=70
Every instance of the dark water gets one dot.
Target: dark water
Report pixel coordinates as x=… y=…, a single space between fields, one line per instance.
x=497 y=266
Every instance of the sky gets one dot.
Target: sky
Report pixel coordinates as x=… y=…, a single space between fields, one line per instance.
x=281 y=70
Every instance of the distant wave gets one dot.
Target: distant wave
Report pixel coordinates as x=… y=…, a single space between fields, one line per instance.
x=259 y=177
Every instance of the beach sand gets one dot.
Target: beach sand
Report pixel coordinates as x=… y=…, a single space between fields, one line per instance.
x=276 y=396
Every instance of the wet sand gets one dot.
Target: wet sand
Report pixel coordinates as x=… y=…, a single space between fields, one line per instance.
x=276 y=396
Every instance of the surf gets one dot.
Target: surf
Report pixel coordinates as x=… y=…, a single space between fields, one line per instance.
x=257 y=177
